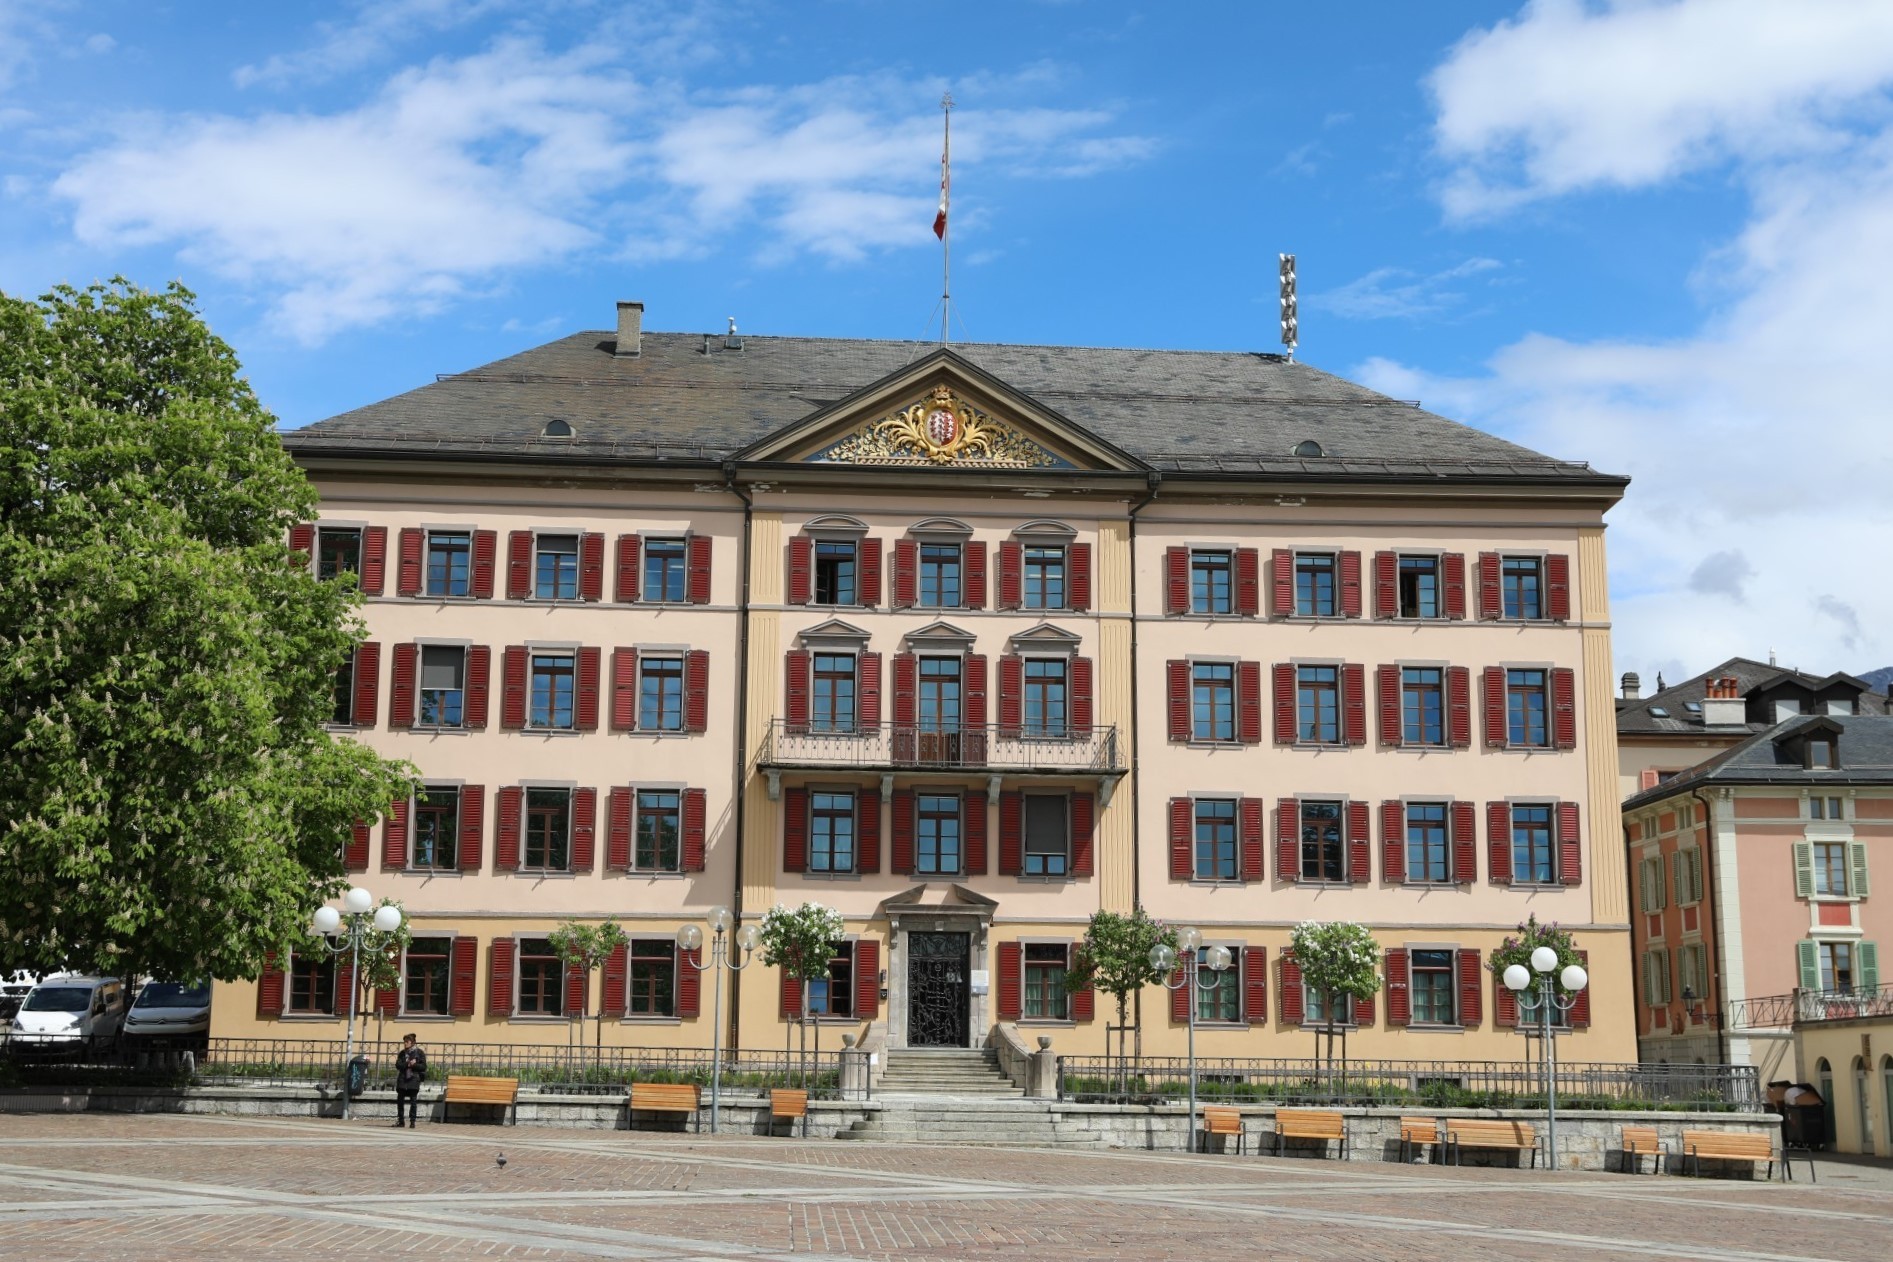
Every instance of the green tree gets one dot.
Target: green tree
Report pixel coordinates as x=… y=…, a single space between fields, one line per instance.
x=586 y=948
x=170 y=802
x=1114 y=957
x=1340 y=962
x=380 y=967
x=801 y=941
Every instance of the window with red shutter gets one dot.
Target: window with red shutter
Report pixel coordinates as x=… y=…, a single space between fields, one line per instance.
x=1364 y=1011
x=1564 y=708
x=1255 y=984
x=513 y=687
x=1458 y=707
x=355 y=854
x=1504 y=1006
x=867 y=979
x=506 y=828
x=519 y=565
x=698 y=572
x=1287 y=839
x=1083 y=697
x=271 y=988
x=696 y=820
x=617 y=981
x=1177 y=682
x=1387 y=690
x=973 y=713
x=867 y=831
x=1248 y=582
x=1465 y=842
x=624 y=689
x=973 y=827
x=394 y=836
x=466 y=959
x=868 y=691
x=1399 y=996
x=1283 y=680
x=903 y=856
x=1179 y=988
x=1011 y=696
x=1393 y=842
x=367 y=672
x=1249 y=702
x=868 y=581
x=1570 y=846
x=1011 y=833
x=1078 y=581
x=1353 y=704
x=584 y=829
x=630 y=548
x=1292 y=997
x=696 y=690
x=577 y=989
x=618 y=832
x=1176 y=580
x=1282 y=582
x=472 y=856
x=591 y=566
x=485 y=550
x=585 y=699
x=689 y=982
x=401 y=684
x=906 y=573
x=1386 y=584
x=1011 y=981
x=1011 y=575
x=1350 y=584
x=801 y=569
x=499 y=986
x=407 y=581
x=1492 y=690
x=1558 y=587
x=1453 y=583
x=1471 y=987
x=374 y=574
x=1182 y=839
x=1581 y=1010
x=1359 y=845
x=795 y=830
x=1083 y=833
x=1084 y=1001
x=796 y=674
x=1498 y=829
x=790 y=992
x=1491 y=600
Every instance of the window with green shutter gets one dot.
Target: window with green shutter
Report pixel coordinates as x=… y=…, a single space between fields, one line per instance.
x=1857 y=868
x=1808 y=961
x=1869 y=966
x=1803 y=870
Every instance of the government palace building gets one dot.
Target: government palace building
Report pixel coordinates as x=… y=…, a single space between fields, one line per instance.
x=967 y=642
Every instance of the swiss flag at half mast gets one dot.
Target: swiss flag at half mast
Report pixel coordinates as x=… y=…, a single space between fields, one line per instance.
x=939 y=220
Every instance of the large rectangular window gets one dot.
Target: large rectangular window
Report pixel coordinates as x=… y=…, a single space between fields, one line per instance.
x=449 y=554
x=833 y=682
x=338 y=552
x=1323 y=851
x=1045 y=714
x=344 y=708
x=424 y=977
x=443 y=685
x=835 y=573
x=940 y=694
x=661 y=694
x=312 y=984
x=1830 y=867
x=1837 y=966
x=1318 y=704
x=1432 y=988
x=1212 y=701
x=555 y=567
x=436 y=829
x=1047 y=835
x=1215 y=839
x=541 y=979
x=548 y=840
x=833 y=996
x=1534 y=857
x=1422 y=705
x=1826 y=807
x=664 y=570
x=1045 y=997
x=831 y=832
x=1219 y=995
x=1316 y=586
x=659 y=844
x=1522 y=580
x=1315 y=1008
x=940 y=576
x=554 y=676
x=653 y=978
x=937 y=835
x=1044 y=576
x=1429 y=857
x=1525 y=709
x=1419 y=587
x=1211 y=582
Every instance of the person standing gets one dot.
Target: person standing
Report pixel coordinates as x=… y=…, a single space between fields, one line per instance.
x=410 y=1069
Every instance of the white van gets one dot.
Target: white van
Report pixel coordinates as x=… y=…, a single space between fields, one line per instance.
x=168 y=1015
x=69 y=1014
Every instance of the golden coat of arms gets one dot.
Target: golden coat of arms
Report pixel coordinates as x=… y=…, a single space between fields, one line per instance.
x=941 y=428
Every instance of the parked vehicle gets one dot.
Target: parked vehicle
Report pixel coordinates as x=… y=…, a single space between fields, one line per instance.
x=169 y=1015
x=70 y=1014
x=13 y=992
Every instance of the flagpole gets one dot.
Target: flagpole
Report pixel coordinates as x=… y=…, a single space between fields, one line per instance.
x=946 y=233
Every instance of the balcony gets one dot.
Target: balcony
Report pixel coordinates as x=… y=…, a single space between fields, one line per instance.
x=991 y=749
x=1810 y=1007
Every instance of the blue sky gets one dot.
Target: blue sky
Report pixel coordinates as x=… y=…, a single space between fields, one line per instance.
x=1652 y=235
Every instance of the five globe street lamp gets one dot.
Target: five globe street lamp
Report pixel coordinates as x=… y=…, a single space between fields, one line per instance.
x=689 y=938
x=342 y=933
x=1216 y=959
x=1541 y=998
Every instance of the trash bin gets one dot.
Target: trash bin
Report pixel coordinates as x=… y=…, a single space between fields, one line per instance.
x=1803 y=1114
x=357 y=1076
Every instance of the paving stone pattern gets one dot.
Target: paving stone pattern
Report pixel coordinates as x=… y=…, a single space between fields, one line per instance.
x=106 y=1187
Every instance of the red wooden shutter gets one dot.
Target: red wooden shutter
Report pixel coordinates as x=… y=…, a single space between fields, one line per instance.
x=388 y=1001
x=485 y=550
x=1558 y=587
x=868 y=572
x=1177 y=677
x=1011 y=833
x=624 y=689
x=1011 y=575
x=407 y=579
x=1084 y=813
x=1084 y=1001
x=1078 y=577
x=790 y=995
x=466 y=960
x=1282 y=582
x=1581 y=1009
x=513 y=687
x=1399 y=999
x=1249 y=833
x=1386 y=584
x=577 y=989
x=472 y=854
x=696 y=814
x=1471 y=986
x=585 y=828
x=499 y=978
x=867 y=831
x=585 y=704
x=374 y=574
x=617 y=982
x=591 y=566
x=1359 y=844
x=367 y=681
x=1570 y=849
x=973 y=682
x=1180 y=995
x=1493 y=689
x=1491 y=600
x=1354 y=704
x=1283 y=680
x=689 y=982
x=1248 y=582
x=1182 y=839
x=1387 y=686
x=973 y=564
x=868 y=691
x=1292 y=1012
x=1564 y=724
x=629 y=571
x=506 y=828
x=973 y=827
x=1011 y=696
x=401 y=681
x=1465 y=842
x=1504 y=1005
x=1649 y=778
x=519 y=565
x=697 y=570
x=1287 y=839
x=1498 y=836
x=906 y=573
x=1083 y=696
x=394 y=836
x=1011 y=966
x=801 y=569
x=1350 y=584
x=1249 y=702
x=343 y=985
x=479 y=679
x=906 y=692
x=1364 y=1011
x=1453 y=581
x=1393 y=842
x=270 y=988
x=1176 y=580
x=1255 y=985
x=903 y=857
x=618 y=832
x=796 y=690
x=1459 y=707
x=867 y=979
x=355 y=854
x=795 y=830
x=696 y=690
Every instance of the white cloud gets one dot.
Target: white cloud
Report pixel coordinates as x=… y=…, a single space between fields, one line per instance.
x=1394 y=293
x=369 y=35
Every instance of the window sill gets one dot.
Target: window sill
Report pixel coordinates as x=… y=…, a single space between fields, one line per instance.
x=1430 y=1028
x=311 y=1017
x=436 y=729
x=1454 y=884
x=661 y=733
x=1309 y=883
x=1047 y=878
x=1320 y=746
x=427 y=1018
x=432 y=872
x=1219 y=882
x=1046 y=1023
x=446 y=600
x=546 y=874
x=550 y=731
x=653 y=874
x=540 y=1018
x=1321 y=1027
x=1193 y=743
x=649 y=1019
x=827 y=876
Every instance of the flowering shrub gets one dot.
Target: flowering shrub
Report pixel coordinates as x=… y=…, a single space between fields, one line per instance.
x=1531 y=935
x=1337 y=958
x=801 y=940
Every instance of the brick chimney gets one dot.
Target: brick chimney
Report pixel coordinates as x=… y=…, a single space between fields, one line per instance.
x=1633 y=685
x=1722 y=704
x=630 y=328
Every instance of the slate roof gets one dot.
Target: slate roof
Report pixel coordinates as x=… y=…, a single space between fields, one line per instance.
x=1866 y=757
x=1635 y=718
x=685 y=397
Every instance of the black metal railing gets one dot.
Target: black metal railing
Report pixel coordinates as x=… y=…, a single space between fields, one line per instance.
x=1808 y=1007
x=1409 y=1083
x=992 y=747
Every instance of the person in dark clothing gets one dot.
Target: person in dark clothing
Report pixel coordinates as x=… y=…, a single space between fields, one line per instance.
x=410 y=1068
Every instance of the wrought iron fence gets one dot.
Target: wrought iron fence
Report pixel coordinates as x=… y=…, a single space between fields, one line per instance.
x=1806 y=1007
x=992 y=747
x=1402 y=1083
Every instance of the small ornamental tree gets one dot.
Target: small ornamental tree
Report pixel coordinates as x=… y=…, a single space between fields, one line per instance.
x=1114 y=957
x=585 y=948
x=381 y=957
x=1341 y=962
x=801 y=941
x=1517 y=949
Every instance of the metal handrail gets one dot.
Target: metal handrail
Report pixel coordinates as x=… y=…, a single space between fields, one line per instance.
x=1810 y=1007
x=933 y=747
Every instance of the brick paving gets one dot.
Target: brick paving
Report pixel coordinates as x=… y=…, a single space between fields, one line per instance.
x=152 y=1187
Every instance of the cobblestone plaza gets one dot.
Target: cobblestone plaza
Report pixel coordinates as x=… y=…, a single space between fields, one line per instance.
x=112 y=1187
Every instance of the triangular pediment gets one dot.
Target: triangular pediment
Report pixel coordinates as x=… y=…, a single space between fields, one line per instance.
x=941 y=632
x=833 y=629
x=941 y=412
x=954 y=897
x=1046 y=636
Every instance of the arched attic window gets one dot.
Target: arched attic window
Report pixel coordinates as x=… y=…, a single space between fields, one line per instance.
x=556 y=428
x=1309 y=447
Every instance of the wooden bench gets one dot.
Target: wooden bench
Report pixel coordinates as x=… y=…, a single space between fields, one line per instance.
x=1224 y=1122
x=1637 y=1143
x=467 y=1089
x=1310 y=1124
x=790 y=1105
x=666 y=1097
x=1478 y=1132
x=1417 y=1132
x=1736 y=1146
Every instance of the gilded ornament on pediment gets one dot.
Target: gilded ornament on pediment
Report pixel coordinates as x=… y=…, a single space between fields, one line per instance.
x=940 y=429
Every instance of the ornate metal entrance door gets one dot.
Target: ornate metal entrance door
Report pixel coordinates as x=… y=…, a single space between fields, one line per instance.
x=938 y=985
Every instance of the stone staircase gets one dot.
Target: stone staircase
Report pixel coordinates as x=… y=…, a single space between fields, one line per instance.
x=959 y=1096
x=947 y=1071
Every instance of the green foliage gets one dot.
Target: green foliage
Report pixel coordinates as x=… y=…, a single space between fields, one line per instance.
x=1115 y=954
x=585 y=946
x=1337 y=958
x=1517 y=949
x=801 y=940
x=381 y=955
x=170 y=801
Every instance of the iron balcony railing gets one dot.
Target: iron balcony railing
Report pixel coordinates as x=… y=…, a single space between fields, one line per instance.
x=1808 y=1007
x=891 y=747
x=1409 y=1083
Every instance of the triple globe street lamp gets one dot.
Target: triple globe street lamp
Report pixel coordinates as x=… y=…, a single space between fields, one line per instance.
x=1540 y=997
x=341 y=933
x=746 y=939
x=1195 y=960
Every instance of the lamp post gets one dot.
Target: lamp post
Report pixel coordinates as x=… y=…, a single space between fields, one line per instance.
x=1540 y=997
x=689 y=938
x=1163 y=958
x=354 y=921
